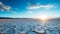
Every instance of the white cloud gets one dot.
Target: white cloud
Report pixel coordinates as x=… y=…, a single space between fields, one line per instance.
x=4 y=7
x=48 y=6
x=1 y=4
x=8 y=8
x=33 y=7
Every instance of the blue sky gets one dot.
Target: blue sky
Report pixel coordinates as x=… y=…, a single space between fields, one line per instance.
x=29 y=8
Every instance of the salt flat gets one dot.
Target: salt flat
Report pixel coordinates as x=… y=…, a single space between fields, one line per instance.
x=29 y=26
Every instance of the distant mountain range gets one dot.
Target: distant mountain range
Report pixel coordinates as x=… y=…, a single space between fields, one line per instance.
x=26 y=18
x=7 y=18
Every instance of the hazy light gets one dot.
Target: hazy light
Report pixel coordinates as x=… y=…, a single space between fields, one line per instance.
x=44 y=18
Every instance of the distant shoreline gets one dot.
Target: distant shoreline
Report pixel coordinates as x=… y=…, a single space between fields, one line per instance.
x=27 y=18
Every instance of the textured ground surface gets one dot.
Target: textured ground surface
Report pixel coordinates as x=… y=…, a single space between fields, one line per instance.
x=29 y=26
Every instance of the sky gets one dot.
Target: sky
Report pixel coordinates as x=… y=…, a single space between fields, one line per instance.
x=29 y=8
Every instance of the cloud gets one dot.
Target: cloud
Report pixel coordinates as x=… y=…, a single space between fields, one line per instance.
x=47 y=6
x=36 y=6
x=7 y=8
x=4 y=7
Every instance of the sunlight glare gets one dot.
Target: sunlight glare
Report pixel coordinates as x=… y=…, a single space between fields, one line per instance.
x=44 y=18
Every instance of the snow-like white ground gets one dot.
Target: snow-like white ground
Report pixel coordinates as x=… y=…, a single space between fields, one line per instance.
x=29 y=26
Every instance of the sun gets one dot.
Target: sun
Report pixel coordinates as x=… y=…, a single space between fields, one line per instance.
x=44 y=18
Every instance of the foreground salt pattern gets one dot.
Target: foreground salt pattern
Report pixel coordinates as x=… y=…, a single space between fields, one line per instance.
x=29 y=26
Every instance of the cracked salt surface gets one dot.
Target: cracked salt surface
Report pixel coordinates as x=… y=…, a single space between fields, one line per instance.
x=29 y=26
